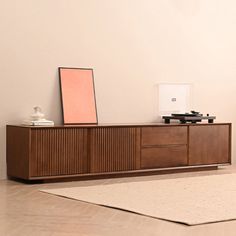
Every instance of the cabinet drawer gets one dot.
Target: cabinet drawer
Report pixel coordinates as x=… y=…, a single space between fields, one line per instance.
x=164 y=135
x=164 y=157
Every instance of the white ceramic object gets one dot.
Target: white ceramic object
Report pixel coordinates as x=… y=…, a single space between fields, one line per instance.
x=37 y=115
x=37 y=119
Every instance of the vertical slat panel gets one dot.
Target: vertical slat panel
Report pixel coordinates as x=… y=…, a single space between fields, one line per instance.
x=138 y=148
x=58 y=151
x=113 y=149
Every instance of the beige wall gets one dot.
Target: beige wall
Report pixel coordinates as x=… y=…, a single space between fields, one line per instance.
x=131 y=44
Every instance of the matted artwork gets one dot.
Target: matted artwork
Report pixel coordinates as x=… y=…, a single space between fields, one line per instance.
x=78 y=95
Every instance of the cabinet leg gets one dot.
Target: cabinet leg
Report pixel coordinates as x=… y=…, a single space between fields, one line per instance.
x=167 y=121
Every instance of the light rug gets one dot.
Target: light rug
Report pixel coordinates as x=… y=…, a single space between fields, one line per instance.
x=191 y=200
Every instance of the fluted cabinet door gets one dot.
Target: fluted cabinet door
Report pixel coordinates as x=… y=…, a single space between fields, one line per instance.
x=114 y=149
x=56 y=152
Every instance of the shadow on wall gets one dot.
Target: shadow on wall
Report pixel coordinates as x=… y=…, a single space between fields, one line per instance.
x=55 y=108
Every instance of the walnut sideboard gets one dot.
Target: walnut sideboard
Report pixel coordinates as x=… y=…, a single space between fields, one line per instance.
x=35 y=153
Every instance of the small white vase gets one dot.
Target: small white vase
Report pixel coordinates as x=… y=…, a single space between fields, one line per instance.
x=37 y=115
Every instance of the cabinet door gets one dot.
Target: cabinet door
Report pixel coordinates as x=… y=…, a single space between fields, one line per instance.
x=209 y=144
x=114 y=149
x=56 y=151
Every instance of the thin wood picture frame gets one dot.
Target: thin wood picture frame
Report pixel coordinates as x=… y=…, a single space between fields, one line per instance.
x=78 y=95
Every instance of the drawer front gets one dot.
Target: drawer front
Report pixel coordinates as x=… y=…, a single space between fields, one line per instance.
x=152 y=136
x=164 y=157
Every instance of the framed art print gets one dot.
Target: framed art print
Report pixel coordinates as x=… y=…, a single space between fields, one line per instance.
x=78 y=95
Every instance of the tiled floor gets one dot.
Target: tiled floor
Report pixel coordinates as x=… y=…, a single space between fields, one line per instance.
x=24 y=210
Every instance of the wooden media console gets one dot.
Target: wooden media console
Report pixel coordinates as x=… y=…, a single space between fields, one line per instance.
x=35 y=153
